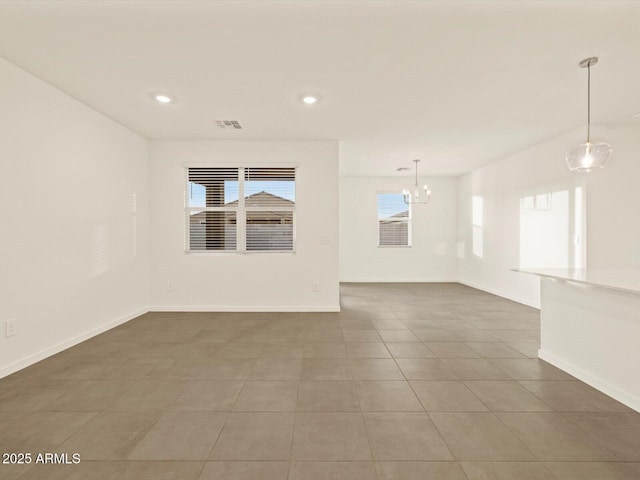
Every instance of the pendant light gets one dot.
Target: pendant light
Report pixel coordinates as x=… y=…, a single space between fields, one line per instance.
x=589 y=155
x=414 y=198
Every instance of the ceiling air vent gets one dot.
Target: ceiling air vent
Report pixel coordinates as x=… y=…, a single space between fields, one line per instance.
x=402 y=169
x=231 y=124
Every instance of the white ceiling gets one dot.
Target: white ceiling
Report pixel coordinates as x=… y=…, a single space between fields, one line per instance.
x=458 y=84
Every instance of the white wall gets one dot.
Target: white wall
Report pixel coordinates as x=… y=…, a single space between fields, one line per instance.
x=257 y=281
x=432 y=256
x=73 y=203
x=612 y=219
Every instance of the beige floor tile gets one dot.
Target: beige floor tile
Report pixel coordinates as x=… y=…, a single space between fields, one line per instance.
x=332 y=471
x=38 y=431
x=409 y=350
x=267 y=396
x=72 y=369
x=473 y=369
x=276 y=369
x=425 y=369
x=451 y=350
x=404 y=436
x=375 y=369
x=196 y=364
x=192 y=435
x=327 y=396
x=131 y=369
x=255 y=436
x=324 y=350
x=110 y=436
x=528 y=349
x=32 y=396
x=594 y=470
x=435 y=335
x=326 y=369
x=148 y=396
x=419 y=471
x=361 y=336
x=356 y=324
x=239 y=350
x=447 y=396
x=506 y=471
x=208 y=396
x=204 y=369
x=322 y=321
x=403 y=335
x=387 y=396
x=14 y=471
x=89 y=396
x=479 y=437
x=552 y=438
x=330 y=436
x=281 y=350
x=311 y=336
x=529 y=369
x=245 y=471
x=494 y=350
x=367 y=350
x=160 y=470
x=572 y=396
x=472 y=335
x=506 y=396
x=388 y=323
x=617 y=432
x=85 y=470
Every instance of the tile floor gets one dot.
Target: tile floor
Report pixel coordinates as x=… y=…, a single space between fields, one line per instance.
x=409 y=381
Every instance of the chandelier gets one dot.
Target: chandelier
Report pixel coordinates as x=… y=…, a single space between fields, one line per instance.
x=415 y=198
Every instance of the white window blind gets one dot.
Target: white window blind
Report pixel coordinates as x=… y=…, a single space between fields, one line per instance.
x=394 y=220
x=240 y=209
x=270 y=208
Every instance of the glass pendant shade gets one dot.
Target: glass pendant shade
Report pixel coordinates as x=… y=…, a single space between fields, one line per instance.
x=588 y=156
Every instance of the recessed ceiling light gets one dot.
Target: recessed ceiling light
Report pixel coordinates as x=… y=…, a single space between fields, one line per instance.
x=162 y=98
x=310 y=99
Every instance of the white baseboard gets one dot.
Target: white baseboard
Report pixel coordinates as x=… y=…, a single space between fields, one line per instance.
x=522 y=300
x=59 y=347
x=244 y=308
x=623 y=397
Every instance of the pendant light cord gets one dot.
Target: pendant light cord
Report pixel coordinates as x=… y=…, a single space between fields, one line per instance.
x=589 y=102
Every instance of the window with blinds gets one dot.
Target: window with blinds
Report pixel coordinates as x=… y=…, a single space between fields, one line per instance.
x=394 y=221
x=240 y=209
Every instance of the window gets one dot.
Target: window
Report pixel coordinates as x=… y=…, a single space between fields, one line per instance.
x=240 y=209
x=394 y=221
x=477 y=224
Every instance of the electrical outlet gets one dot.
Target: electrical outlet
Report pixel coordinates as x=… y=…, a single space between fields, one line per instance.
x=315 y=287
x=10 y=327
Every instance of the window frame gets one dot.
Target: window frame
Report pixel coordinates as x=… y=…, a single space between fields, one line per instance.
x=408 y=221
x=240 y=210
